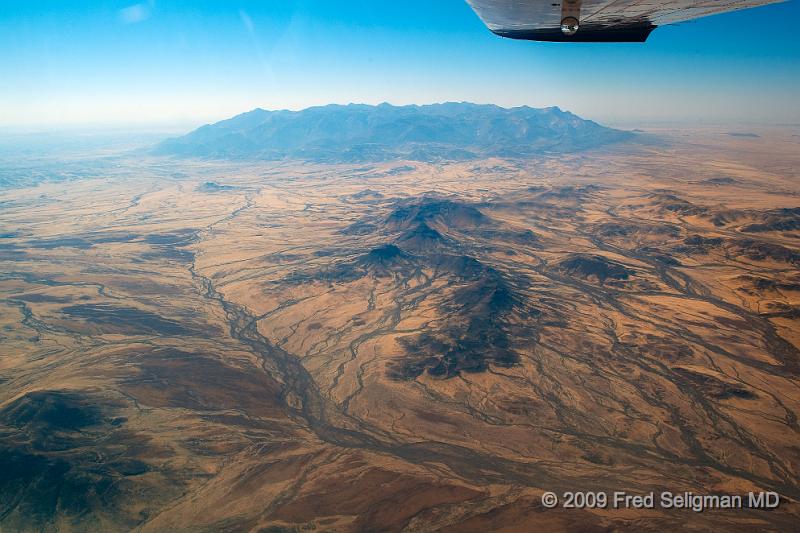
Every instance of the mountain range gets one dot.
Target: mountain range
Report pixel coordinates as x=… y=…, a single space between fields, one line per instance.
x=358 y=132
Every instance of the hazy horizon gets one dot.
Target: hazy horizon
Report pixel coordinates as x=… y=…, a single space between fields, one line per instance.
x=179 y=127
x=129 y=64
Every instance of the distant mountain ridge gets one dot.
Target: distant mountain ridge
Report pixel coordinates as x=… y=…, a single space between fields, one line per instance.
x=359 y=132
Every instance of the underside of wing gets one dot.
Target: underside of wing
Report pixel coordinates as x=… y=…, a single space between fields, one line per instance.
x=595 y=20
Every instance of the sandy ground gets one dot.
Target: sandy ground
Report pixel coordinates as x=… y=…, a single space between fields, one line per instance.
x=404 y=346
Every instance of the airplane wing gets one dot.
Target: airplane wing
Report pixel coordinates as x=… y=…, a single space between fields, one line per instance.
x=595 y=20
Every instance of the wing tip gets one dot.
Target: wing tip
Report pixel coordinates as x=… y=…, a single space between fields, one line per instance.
x=630 y=34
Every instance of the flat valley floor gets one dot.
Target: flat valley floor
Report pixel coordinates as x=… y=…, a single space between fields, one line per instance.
x=405 y=346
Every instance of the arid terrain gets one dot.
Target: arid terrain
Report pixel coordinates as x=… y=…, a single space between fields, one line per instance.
x=404 y=346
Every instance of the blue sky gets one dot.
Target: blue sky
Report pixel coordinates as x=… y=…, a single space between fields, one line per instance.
x=121 y=62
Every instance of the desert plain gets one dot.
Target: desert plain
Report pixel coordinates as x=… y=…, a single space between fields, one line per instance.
x=201 y=345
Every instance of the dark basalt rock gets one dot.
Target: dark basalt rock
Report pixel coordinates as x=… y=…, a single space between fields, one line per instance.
x=716 y=388
x=383 y=255
x=179 y=255
x=697 y=244
x=130 y=320
x=170 y=246
x=725 y=217
x=764 y=284
x=491 y=295
x=568 y=192
x=212 y=187
x=50 y=410
x=177 y=238
x=65 y=242
x=431 y=211
x=659 y=255
x=83 y=241
x=476 y=336
x=700 y=241
x=384 y=261
x=460 y=266
x=586 y=266
x=42 y=298
x=447 y=353
x=776 y=220
x=63 y=455
x=666 y=259
x=762 y=251
x=677 y=205
x=103 y=238
x=613 y=229
x=422 y=238
x=722 y=180
x=367 y=194
x=359 y=228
